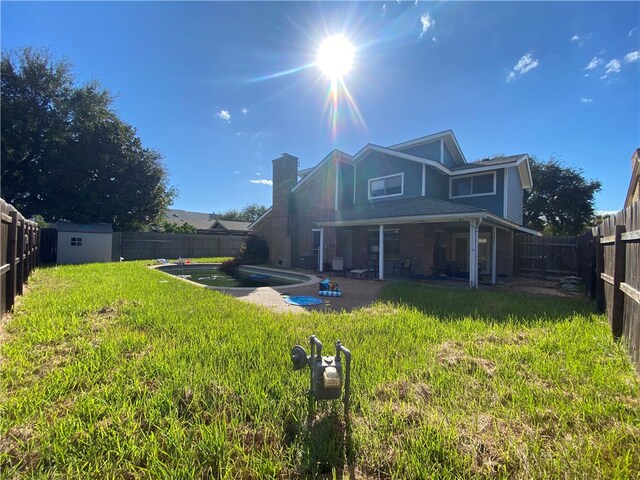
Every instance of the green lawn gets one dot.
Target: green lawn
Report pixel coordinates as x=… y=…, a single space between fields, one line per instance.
x=114 y=370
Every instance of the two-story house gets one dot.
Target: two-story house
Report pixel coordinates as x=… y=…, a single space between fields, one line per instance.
x=419 y=199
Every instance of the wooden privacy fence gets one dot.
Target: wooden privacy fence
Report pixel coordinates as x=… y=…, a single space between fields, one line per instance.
x=148 y=245
x=617 y=289
x=19 y=240
x=546 y=256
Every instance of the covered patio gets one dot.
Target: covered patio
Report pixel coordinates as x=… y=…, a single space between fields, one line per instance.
x=470 y=245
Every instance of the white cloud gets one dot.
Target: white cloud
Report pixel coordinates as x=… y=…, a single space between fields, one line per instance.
x=384 y=9
x=575 y=38
x=224 y=115
x=594 y=63
x=525 y=64
x=632 y=31
x=585 y=100
x=612 y=67
x=238 y=134
x=580 y=39
x=632 y=57
x=244 y=110
x=262 y=181
x=427 y=22
x=236 y=172
x=258 y=174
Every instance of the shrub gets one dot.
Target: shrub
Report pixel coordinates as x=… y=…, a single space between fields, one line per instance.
x=254 y=250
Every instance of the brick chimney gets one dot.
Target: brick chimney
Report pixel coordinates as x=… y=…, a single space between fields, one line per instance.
x=285 y=176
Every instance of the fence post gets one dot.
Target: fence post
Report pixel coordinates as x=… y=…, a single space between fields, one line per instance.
x=600 y=300
x=20 y=255
x=12 y=253
x=617 y=304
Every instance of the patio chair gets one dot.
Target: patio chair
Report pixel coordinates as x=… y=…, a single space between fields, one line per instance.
x=403 y=267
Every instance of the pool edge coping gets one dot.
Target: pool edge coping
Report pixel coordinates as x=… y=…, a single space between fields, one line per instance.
x=313 y=279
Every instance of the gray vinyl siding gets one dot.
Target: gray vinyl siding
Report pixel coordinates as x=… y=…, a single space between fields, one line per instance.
x=437 y=185
x=448 y=158
x=429 y=150
x=492 y=203
x=378 y=164
x=346 y=185
x=514 y=196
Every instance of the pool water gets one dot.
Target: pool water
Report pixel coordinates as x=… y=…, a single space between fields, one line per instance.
x=212 y=276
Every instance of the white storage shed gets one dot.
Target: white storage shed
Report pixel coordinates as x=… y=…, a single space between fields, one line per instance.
x=84 y=243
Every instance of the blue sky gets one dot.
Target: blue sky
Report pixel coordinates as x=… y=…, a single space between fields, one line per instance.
x=222 y=88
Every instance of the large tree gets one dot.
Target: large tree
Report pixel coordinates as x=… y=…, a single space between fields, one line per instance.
x=66 y=154
x=250 y=213
x=561 y=200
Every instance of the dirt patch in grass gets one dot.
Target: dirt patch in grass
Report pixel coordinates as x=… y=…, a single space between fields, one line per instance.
x=14 y=453
x=494 y=445
x=518 y=338
x=404 y=391
x=452 y=354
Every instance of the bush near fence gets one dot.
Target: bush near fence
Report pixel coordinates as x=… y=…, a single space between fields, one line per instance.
x=19 y=241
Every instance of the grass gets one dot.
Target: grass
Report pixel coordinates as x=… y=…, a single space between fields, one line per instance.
x=114 y=370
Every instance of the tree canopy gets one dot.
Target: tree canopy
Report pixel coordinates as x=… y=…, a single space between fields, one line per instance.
x=561 y=201
x=250 y=213
x=66 y=155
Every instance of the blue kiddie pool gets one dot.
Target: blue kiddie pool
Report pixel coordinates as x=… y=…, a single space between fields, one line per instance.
x=303 y=301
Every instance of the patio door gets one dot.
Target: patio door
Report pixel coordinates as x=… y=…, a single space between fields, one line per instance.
x=315 y=245
x=461 y=252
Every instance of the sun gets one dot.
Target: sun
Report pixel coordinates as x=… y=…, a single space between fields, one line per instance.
x=335 y=57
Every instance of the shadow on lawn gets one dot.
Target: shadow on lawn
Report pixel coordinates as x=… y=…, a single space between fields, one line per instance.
x=328 y=447
x=449 y=303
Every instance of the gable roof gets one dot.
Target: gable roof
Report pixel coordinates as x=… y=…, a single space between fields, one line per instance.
x=231 y=225
x=447 y=136
x=309 y=173
x=201 y=221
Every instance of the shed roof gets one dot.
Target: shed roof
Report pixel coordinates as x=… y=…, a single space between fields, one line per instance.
x=84 y=227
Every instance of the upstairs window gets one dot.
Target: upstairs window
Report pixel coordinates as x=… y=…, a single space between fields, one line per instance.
x=473 y=185
x=76 y=241
x=389 y=186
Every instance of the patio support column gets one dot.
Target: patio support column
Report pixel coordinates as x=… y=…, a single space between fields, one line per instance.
x=321 y=250
x=381 y=252
x=494 y=250
x=473 y=254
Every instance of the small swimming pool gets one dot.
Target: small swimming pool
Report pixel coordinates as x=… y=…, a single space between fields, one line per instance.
x=245 y=276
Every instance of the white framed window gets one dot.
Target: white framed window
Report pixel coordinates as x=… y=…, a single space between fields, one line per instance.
x=389 y=186
x=76 y=241
x=472 y=185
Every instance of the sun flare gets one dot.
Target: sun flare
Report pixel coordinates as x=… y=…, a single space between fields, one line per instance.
x=335 y=57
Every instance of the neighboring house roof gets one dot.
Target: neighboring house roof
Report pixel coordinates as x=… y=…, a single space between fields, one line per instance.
x=633 y=193
x=232 y=226
x=201 y=221
x=84 y=227
x=205 y=221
